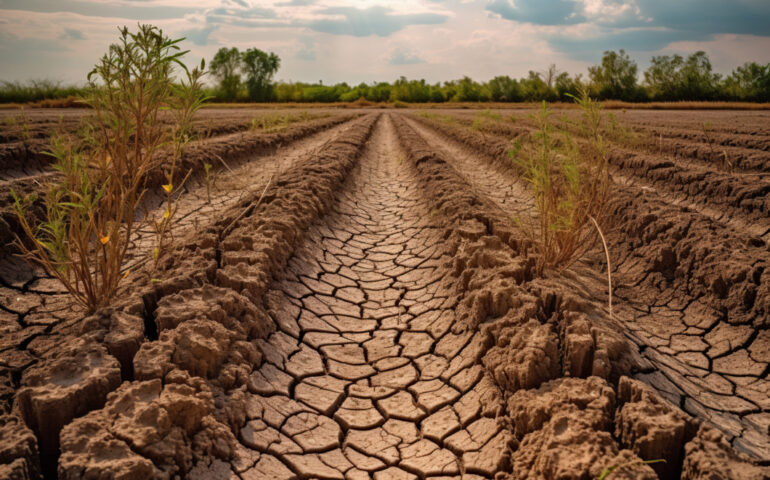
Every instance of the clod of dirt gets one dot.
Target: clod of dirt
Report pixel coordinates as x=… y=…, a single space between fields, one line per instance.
x=650 y=427
x=593 y=348
x=563 y=427
x=121 y=333
x=709 y=456
x=207 y=332
x=524 y=356
x=232 y=310
x=146 y=430
x=18 y=450
x=74 y=381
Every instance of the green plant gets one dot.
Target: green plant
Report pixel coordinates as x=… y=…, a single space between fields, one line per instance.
x=609 y=470
x=20 y=126
x=185 y=100
x=207 y=173
x=570 y=184
x=90 y=214
x=276 y=122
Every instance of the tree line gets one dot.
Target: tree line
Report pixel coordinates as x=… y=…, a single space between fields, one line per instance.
x=247 y=76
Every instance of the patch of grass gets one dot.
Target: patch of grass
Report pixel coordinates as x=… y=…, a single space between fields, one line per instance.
x=275 y=122
x=570 y=184
x=90 y=219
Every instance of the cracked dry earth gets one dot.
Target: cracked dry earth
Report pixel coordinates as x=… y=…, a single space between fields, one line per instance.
x=364 y=376
x=374 y=315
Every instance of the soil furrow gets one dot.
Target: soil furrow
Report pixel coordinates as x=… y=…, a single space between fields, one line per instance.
x=364 y=357
x=196 y=262
x=698 y=367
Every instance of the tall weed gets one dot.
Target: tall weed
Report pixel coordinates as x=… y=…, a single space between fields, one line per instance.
x=90 y=220
x=570 y=183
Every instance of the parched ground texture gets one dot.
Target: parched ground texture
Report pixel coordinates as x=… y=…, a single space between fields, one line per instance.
x=350 y=299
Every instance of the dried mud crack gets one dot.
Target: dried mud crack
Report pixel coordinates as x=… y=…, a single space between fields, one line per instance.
x=364 y=377
x=683 y=334
x=375 y=314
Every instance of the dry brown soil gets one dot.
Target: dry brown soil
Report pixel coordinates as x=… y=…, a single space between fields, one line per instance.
x=355 y=302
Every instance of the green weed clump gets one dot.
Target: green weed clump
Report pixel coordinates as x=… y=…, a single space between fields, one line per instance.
x=570 y=183
x=270 y=123
x=90 y=219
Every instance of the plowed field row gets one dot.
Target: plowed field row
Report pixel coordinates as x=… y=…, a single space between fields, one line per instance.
x=357 y=304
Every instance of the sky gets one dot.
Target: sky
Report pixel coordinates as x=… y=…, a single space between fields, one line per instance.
x=379 y=40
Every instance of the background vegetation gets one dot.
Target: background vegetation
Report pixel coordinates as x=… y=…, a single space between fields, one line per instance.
x=248 y=77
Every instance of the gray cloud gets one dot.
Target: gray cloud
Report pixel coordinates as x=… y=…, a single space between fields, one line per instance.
x=71 y=34
x=136 y=12
x=199 y=36
x=709 y=16
x=541 y=12
x=590 y=48
x=363 y=22
x=307 y=50
x=402 y=57
x=295 y=3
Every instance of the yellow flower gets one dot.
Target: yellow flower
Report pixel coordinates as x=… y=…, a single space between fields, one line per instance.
x=107 y=160
x=104 y=239
x=168 y=187
x=166 y=214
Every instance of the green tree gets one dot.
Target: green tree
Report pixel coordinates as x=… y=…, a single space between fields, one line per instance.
x=535 y=89
x=662 y=77
x=675 y=78
x=504 y=89
x=615 y=78
x=698 y=81
x=260 y=67
x=225 y=67
x=751 y=81
x=567 y=88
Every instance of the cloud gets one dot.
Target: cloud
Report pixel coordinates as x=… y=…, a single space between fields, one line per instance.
x=199 y=36
x=306 y=50
x=71 y=34
x=748 y=17
x=101 y=9
x=541 y=12
x=377 y=20
x=590 y=46
x=295 y=3
x=401 y=56
x=248 y=12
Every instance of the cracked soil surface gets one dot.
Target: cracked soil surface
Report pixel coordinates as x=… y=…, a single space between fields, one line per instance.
x=354 y=302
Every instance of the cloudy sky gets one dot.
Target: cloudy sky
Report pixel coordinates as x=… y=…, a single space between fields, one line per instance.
x=369 y=40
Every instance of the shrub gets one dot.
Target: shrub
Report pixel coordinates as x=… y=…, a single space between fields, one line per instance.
x=570 y=184
x=90 y=214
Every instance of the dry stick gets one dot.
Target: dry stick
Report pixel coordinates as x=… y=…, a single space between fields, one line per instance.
x=609 y=266
x=245 y=211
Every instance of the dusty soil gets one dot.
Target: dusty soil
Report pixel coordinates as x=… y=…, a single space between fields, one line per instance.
x=377 y=315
